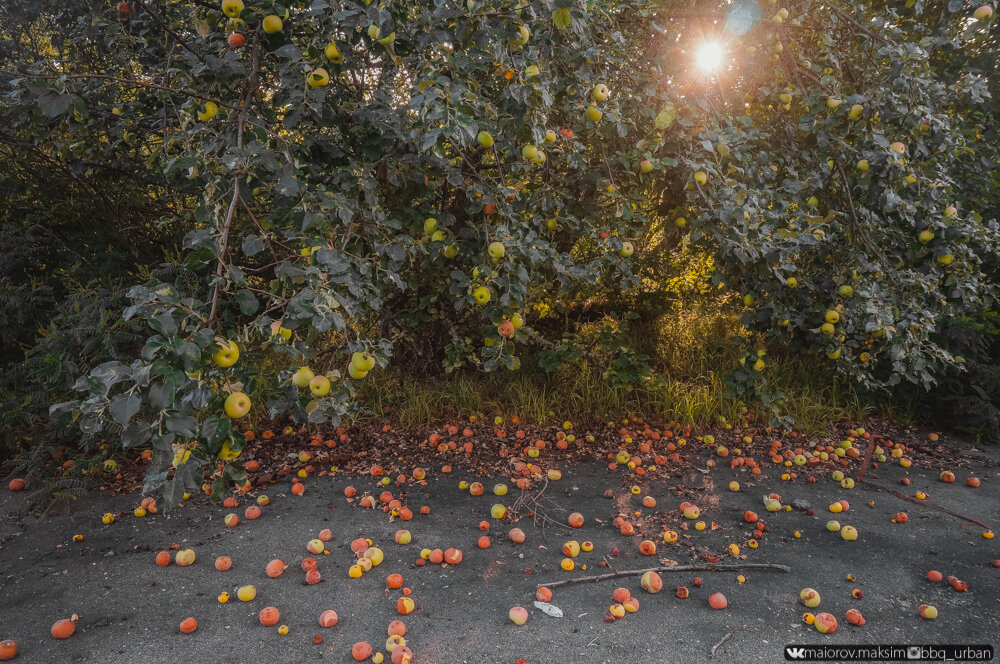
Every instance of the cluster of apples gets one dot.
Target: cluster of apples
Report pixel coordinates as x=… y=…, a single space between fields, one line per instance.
x=368 y=557
x=272 y=24
x=304 y=377
x=451 y=556
x=956 y=584
x=571 y=550
x=237 y=404
x=598 y=93
x=623 y=603
x=396 y=646
x=826 y=623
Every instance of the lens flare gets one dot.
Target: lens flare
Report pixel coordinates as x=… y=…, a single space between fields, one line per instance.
x=708 y=57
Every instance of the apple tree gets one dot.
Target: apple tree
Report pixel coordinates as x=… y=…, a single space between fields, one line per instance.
x=436 y=172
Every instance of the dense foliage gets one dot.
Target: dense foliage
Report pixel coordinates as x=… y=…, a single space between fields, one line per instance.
x=408 y=182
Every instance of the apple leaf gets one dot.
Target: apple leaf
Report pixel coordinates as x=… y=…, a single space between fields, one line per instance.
x=173 y=491
x=110 y=373
x=136 y=433
x=161 y=394
x=54 y=104
x=184 y=425
x=289 y=52
x=561 y=17
x=123 y=407
x=247 y=301
x=252 y=245
x=154 y=479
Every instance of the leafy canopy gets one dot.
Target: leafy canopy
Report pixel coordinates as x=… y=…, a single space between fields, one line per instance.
x=366 y=167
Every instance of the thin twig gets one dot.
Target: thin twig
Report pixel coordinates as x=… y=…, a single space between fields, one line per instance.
x=855 y=222
x=721 y=641
x=170 y=32
x=850 y=19
x=702 y=192
x=674 y=568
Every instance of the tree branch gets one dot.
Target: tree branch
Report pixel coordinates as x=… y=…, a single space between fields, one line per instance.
x=169 y=31
x=855 y=224
x=850 y=19
x=252 y=84
x=127 y=81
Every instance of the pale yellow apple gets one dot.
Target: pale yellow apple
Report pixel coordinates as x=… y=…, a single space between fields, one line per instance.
x=318 y=78
x=208 y=111
x=319 y=386
x=227 y=453
x=363 y=361
x=332 y=54
x=272 y=24
x=227 y=355
x=232 y=8
x=302 y=377
x=482 y=295
x=524 y=33
x=237 y=405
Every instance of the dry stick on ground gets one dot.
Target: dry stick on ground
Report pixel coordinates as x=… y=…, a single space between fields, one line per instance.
x=674 y=568
x=918 y=501
x=878 y=487
x=528 y=501
x=721 y=641
x=866 y=464
x=532 y=503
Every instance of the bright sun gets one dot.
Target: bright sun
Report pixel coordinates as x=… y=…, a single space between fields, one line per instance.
x=709 y=56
